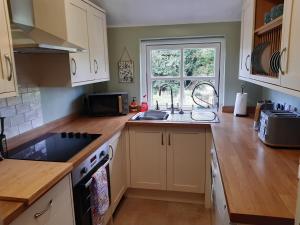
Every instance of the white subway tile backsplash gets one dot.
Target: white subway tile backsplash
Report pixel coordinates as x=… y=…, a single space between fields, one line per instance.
x=28 y=98
x=25 y=127
x=22 y=113
x=8 y=111
x=14 y=101
x=22 y=108
x=17 y=120
x=3 y=103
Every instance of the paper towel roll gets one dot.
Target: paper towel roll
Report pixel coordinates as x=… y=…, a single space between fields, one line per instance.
x=240 y=108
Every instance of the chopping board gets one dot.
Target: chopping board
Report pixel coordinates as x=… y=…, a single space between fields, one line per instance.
x=26 y=181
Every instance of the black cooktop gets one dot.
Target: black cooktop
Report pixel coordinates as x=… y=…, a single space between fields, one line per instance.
x=53 y=147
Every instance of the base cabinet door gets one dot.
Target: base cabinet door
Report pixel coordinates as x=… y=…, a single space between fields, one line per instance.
x=117 y=170
x=55 y=207
x=186 y=160
x=147 y=158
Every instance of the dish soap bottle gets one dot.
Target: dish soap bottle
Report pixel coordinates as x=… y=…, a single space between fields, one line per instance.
x=133 y=105
x=144 y=105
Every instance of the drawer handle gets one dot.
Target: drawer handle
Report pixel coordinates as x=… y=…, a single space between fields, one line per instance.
x=96 y=67
x=37 y=215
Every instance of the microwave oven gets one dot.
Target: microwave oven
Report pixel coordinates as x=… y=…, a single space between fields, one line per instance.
x=107 y=104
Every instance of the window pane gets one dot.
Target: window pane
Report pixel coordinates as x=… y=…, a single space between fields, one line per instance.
x=165 y=62
x=166 y=93
x=199 y=61
x=203 y=92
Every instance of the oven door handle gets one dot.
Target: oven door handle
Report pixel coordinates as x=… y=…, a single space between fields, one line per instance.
x=87 y=184
x=120 y=101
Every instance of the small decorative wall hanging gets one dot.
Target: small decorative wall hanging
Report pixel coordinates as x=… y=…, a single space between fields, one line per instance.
x=126 y=67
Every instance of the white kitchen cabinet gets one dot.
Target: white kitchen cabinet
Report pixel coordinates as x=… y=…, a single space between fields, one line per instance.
x=246 y=37
x=53 y=208
x=98 y=44
x=117 y=169
x=186 y=160
x=148 y=158
x=8 y=82
x=290 y=47
x=167 y=159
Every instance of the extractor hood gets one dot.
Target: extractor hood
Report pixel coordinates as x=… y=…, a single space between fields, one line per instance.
x=30 y=33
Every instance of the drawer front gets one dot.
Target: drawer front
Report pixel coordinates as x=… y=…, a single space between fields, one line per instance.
x=54 y=208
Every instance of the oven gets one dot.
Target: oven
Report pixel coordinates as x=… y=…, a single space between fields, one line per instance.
x=81 y=179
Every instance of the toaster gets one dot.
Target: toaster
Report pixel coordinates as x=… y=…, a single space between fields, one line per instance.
x=280 y=128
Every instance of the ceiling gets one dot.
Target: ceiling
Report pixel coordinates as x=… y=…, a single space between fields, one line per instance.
x=165 y=12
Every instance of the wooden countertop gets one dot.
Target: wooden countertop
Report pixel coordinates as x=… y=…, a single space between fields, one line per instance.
x=10 y=210
x=260 y=182
x=25 y=181
x=24 y=189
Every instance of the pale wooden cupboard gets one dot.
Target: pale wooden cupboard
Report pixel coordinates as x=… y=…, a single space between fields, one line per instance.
x=284 y=32
x=53 y=208
x=8 y=82
x=117 y=169
x=167 y=159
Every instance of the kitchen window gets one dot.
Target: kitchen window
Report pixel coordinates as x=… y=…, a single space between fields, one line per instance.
x=182 y=64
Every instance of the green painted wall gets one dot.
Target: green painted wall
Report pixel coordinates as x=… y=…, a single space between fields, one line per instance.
x=130 y=37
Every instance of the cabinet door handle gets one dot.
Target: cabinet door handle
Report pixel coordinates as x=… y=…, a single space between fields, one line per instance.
x=169 y=139
x=246 y=62
x=7 y=58
x=112 y=152
x=37 y=215
x=75 y=66
x=280 y=61
x=96 y=67
x=162 y=139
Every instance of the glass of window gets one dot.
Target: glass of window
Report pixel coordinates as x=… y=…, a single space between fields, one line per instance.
x=165 y=98
x=199 y=62
x=204 y=95
x=165 y=62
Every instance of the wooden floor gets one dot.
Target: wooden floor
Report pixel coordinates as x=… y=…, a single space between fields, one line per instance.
x=151 y=212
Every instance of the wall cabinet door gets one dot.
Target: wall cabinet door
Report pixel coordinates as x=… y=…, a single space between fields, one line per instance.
x=80 y=68
x=55 y=207
x=290 y=77
x=186 y=160
x=148 y=158
x=246 y=37
x=98 y=44
x=117 y=170
x=8 y=84
x=77 y=23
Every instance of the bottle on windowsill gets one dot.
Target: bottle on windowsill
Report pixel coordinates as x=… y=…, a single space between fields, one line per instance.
x=144 y=105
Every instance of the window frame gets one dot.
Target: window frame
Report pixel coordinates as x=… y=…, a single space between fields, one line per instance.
x=180 y=44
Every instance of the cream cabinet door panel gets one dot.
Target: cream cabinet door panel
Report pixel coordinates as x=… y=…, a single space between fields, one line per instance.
x=98 y=44
x=290 y=78
x=186 y=160
x=56 y=205
x=247 y=28
x=147 y=158
x=8 y=86
x=117 y=170
x=80 y=67
x=77 y=23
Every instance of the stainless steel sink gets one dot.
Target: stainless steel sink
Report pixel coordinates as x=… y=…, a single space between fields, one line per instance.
x=201 y=116
x=151 y=115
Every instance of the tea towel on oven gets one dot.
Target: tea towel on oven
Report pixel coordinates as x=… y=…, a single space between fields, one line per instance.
x=99 y=196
